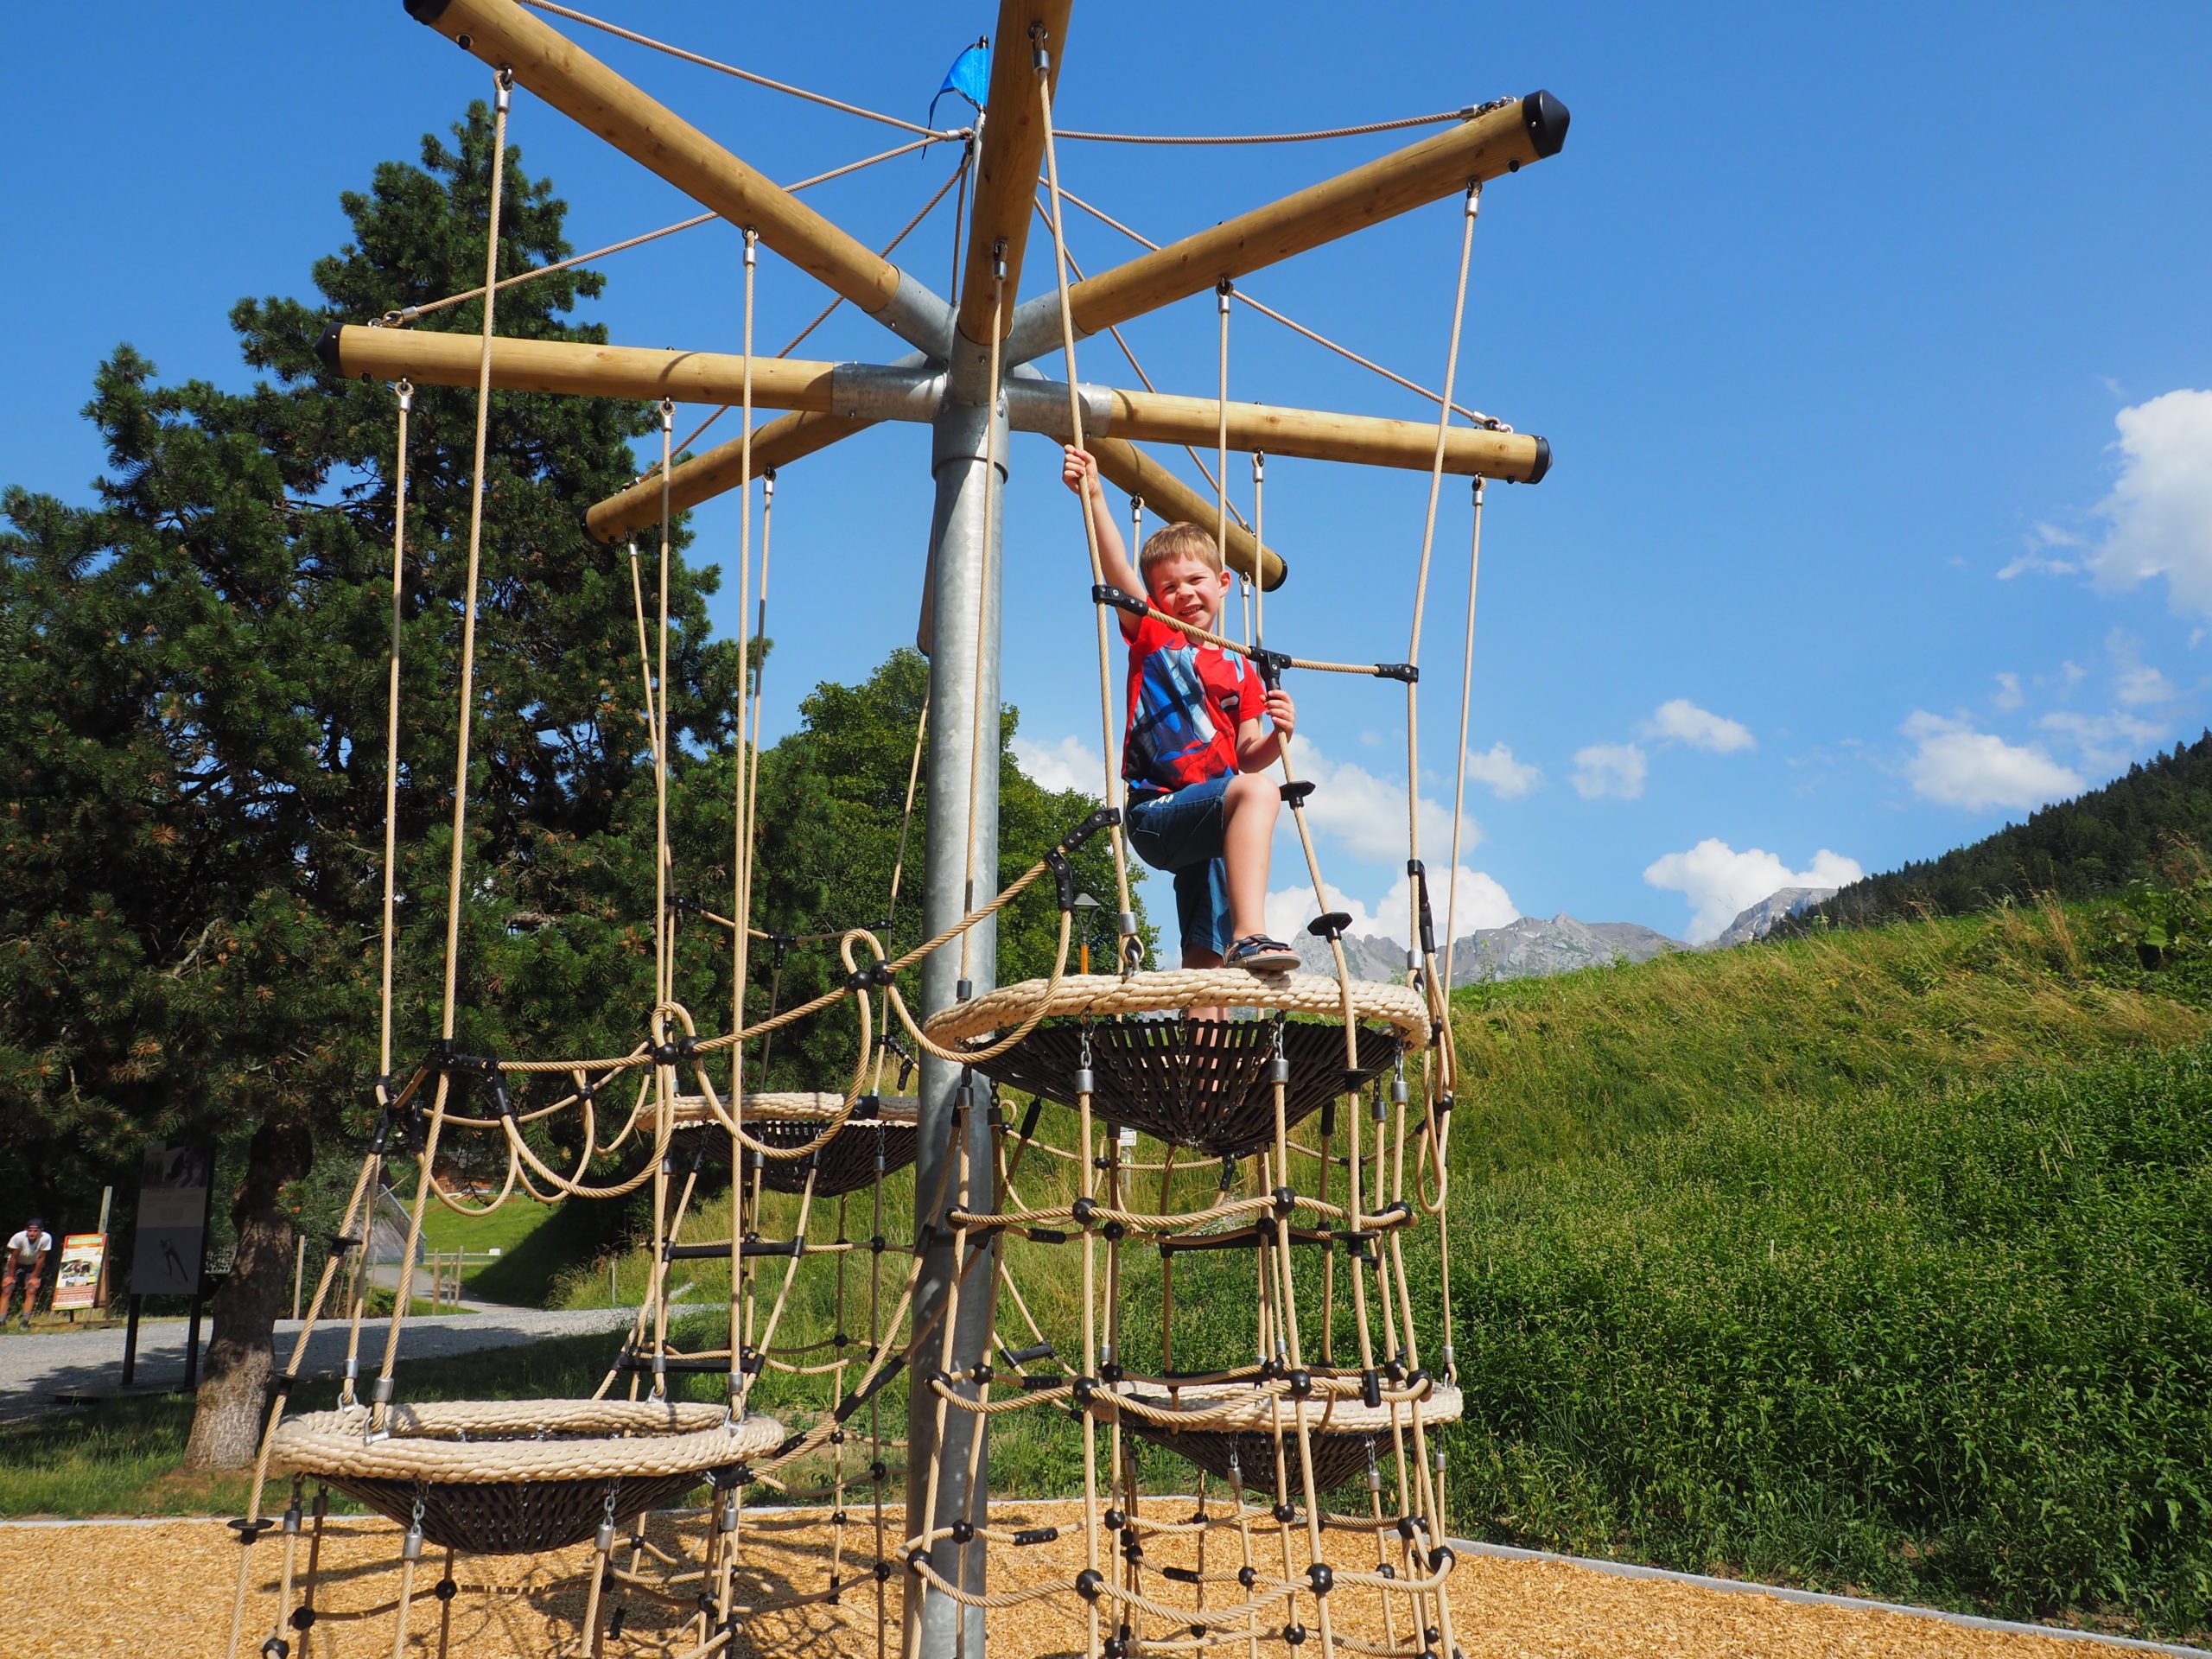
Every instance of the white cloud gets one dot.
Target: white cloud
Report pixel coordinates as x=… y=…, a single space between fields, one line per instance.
x=1482 y=903
x=2160 y=509
x=1506 y=777
x=1365 y=815
x=1069 y=764
x=1610 y=769
x=1722 y=883
x=1681 y=721
x=1956 y=766
x=2141 y=684
x=2106 y=742
x=2036 y=559
x=2009 y=695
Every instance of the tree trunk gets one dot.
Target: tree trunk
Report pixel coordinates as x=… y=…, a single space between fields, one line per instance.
x=227 y=1422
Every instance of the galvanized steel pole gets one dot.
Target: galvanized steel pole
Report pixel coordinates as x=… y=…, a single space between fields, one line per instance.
x=964 y=595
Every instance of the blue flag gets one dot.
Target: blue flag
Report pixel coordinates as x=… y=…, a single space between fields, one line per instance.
x=969 y=77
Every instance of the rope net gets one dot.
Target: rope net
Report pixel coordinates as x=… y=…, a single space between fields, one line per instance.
x=1209 y=1248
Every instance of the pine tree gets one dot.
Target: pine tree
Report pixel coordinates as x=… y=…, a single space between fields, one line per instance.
x=192 y=766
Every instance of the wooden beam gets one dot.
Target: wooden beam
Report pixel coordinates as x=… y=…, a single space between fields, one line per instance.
x=776 y=444
x=441 y=359
x=502 y=33
x=1501 y=140
x=1012 y=150
x=1128 y=467
x=1316 y=434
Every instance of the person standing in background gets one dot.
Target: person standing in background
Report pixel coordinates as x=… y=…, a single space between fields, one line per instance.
x=26 y=1252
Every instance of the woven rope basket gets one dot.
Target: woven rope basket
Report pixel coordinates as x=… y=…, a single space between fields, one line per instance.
x=846 y=1164
x=1197 y=1083
x=1218 y=1429
x=509 y=1478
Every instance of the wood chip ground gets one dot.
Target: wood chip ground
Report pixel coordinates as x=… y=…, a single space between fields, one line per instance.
x=163 y=1590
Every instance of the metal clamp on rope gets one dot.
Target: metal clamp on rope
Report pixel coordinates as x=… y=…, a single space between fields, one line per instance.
x=1105 y=592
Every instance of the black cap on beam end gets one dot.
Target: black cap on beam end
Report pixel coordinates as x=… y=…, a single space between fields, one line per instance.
x=1544 y=116
x=326 y=347
x=425 y=11
x=1543 y=460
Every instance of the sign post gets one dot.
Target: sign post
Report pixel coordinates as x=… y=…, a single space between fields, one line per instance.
x=177 y=1183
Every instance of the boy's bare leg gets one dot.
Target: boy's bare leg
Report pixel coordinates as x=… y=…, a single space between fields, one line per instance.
x=1203 y=959
x=1248 y=807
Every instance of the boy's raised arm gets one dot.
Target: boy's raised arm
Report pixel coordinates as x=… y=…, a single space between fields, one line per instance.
x=1080 y=473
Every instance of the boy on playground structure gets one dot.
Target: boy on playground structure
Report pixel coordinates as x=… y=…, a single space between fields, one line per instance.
x=1195 y=749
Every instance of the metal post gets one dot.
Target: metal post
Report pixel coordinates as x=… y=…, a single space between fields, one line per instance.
x=962 y=447
x=130 y=1342
x=192 y=1345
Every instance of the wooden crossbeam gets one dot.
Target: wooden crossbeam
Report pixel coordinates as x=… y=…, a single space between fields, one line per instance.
x=1007 y=166
x=870 y=392
x=560 y=365
x=1502 y=140
x=832 y=400
x=502 y=33
x=777 y=443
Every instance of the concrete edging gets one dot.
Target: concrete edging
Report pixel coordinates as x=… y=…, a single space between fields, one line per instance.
x=1821 y=1598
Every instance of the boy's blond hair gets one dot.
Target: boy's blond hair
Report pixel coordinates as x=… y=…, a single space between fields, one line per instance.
x=1182 y=541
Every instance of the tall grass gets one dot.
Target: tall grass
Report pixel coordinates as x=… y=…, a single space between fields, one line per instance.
x=1881 y=1260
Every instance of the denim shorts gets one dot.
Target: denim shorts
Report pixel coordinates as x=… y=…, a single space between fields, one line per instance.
x=1180 y=832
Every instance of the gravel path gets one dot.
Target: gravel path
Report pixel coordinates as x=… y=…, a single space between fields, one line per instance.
x=35 y=1367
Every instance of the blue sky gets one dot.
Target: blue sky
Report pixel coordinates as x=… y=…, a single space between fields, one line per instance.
x=1872 y=345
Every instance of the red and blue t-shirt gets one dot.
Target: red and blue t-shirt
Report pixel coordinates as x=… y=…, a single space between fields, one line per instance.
x=1186 y=699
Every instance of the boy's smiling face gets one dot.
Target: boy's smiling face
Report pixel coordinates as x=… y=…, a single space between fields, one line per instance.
x=1187 y=590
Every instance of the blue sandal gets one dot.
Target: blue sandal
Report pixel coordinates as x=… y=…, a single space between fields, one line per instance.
x=1258 y=954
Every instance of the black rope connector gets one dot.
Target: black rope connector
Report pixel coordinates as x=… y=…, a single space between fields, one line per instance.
x=1063 y=878
x=1330 y=925
x=1284 y=1514
x=1293 y=1634
x=446 y=1589
x=875 y=974
x=1111 y=1371
x=1271 y=665
x=276 y=1648
x=1036 y=1535
x=1320 y=1578
x=916 y=1556
x=1113 y=1521
x=1180 y=1575
x=1089 y=1584
x=249 y=1530
x=1439 y=1557
x=1405 y=672
x=1286 y=1199
x=1293 y=794
x=302 y=1618
x=1301 y=1384
x=1084 y=1209
x=962 y=1532
x=1247 y=1576
x=1105 y=592
x=883 y=1572
x=1104 y=818
x=1420 y=874
x=1084 y=1389
x=1371 y=1389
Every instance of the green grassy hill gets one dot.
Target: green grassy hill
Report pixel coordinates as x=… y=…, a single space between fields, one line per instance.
x=1880 y=1259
